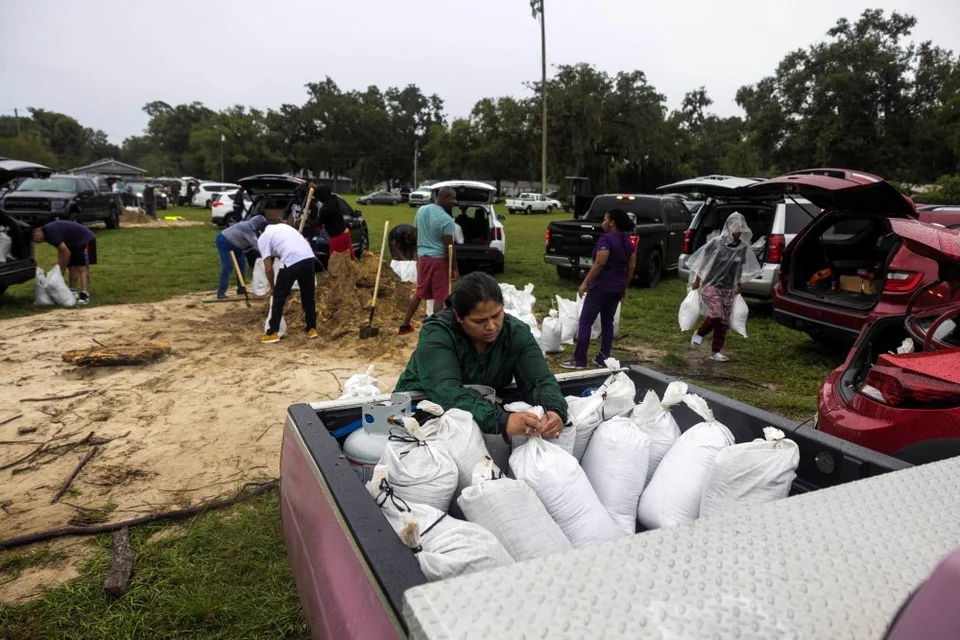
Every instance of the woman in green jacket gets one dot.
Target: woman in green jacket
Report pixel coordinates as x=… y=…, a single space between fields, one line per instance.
x=473 y=341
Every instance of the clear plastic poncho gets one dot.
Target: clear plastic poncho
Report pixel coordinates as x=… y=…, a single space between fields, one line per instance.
x=722 y=263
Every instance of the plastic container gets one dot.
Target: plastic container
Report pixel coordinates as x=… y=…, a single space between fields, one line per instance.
x=365 y=445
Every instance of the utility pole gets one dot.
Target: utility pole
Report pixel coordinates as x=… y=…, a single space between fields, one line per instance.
x=222 y=138
x=16 y=117
x=416 y=155
x=537 y=7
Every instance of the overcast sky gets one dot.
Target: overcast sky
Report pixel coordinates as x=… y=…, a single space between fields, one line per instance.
x=100 y=61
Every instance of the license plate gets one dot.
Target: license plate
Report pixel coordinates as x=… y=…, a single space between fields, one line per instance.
x=586 y=262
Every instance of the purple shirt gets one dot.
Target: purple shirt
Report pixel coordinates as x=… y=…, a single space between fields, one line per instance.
x=67 y=232
x=613 y=278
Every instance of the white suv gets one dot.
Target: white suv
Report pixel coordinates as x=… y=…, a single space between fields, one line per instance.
x=484 y=242
x=419 y=197
x=203 y=197
x=774 y=223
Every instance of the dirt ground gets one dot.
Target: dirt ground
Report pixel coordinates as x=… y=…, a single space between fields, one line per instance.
x=194 y=425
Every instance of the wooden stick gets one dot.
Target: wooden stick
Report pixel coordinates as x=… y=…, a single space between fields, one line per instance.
x=236 y=267
x=117 y=580
x=109 y=527
x=10 y=419
x=306 y=209
x=66 y=485
x=376 y=284
x=449 y=270
x=63 y=397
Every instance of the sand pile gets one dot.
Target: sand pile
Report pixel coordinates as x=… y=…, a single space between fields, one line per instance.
x=136 y=218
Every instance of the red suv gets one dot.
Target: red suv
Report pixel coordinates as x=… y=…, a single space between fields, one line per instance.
x=847 y=266
x=899 y=390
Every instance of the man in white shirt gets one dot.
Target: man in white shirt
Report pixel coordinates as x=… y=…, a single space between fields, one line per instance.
x=284 y=243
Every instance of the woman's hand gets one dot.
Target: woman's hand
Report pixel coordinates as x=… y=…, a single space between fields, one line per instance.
x=582 y=291
x=623 y=298
x=696 y=284
x=551 y=426
x=522 y=423
x=739 y=288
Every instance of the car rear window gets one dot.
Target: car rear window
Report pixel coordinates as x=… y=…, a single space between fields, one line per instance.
x=947 y=333
x=645 y=210
x=797 y=218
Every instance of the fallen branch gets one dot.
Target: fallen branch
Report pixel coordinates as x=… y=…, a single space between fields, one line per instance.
x=117 y=580
x=66 y=485
x=63 y=397
x=10 y=419
x=179 y=514
x=117 y=356
x=25 y=430
x=23 y=459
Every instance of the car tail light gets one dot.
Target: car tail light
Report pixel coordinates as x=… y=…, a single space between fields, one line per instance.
x=902 y=280
x=217 y=204
x=899 y=388
x=497 y=235
x=775 y=249
x=634 y=240
x=547 y=237
x=688 y=242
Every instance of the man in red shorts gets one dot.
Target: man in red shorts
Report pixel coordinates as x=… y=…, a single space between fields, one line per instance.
x=435 y=230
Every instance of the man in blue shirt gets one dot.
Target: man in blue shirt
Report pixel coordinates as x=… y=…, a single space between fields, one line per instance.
x=435 y=231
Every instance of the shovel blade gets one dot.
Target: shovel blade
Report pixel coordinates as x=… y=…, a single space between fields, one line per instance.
x=369 y=332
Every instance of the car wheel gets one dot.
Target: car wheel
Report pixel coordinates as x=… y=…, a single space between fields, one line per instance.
x=74 y=216
x=364 y=241
x=113 y=220
x=395 y=203
x=529 y=210
x=511 y=211
x=565 y=273
x=230 y=219
x=653 y=267
x=549 y=211
x=207 y=206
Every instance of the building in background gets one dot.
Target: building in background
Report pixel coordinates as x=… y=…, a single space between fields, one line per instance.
x=109 y=167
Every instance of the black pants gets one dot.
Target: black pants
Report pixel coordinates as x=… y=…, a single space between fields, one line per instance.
x=301 y=273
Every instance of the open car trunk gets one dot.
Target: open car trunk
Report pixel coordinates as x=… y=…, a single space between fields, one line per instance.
x=759 y=217
x=843 y=260
x=474 y=221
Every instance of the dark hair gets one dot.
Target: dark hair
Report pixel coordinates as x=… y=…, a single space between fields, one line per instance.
x=323 y=193
x=473 y=289
x=621 y=219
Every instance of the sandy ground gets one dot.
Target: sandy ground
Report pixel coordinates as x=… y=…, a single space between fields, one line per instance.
x=195 y=425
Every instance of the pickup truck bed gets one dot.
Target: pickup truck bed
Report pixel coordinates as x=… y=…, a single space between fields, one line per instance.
x=357 y=580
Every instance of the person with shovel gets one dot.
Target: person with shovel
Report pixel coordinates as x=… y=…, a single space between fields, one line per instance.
x=285 y=244
x=239 y=239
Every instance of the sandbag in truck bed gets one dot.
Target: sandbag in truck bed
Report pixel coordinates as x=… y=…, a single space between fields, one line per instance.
x=420 y=472
x=654 y=418
x=616 y=464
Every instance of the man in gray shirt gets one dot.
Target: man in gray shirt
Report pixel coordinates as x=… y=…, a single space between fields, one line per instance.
x=237 y=239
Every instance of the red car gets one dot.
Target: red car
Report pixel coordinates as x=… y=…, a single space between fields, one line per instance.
x=847 y=267
x=899 y=390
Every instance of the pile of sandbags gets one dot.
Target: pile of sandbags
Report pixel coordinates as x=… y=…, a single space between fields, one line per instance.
x=519 y=304
x=49 y=289
x=459 y=434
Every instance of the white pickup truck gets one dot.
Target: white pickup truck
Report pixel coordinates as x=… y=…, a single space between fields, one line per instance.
x=532 y=203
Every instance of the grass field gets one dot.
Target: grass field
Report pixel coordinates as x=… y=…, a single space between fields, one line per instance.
x=225 y=575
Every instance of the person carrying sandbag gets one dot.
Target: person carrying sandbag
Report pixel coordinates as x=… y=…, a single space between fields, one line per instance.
x=716 y=271
x=76 y=249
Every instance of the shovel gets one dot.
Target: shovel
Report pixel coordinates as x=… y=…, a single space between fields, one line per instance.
x=371 y=331
x=306 y=209
x=236 y=267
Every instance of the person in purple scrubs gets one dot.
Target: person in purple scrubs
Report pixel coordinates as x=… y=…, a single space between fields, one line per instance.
x=614 y=260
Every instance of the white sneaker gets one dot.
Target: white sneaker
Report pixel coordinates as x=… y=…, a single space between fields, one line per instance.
x=719 y=357
x=696 y=341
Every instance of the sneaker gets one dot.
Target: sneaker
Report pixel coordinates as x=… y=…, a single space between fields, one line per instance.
x=599 y=361
x=312 y=334
x=719 y=357
x=405 y=329
x=696 y=341
x=83 y=298
x=270 y=338
x=222 y=296
x=571 y=364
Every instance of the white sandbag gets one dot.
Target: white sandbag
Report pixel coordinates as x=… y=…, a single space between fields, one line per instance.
x=551 y=333
x=738 y=317
x=406 y=270
x=654 y=418
x=751 y=473
x=282 y=331
x=444 y=546
x=459 y=433
x=564 y=490
x=419 y=471
x=569 y=319
x=259 y=284
x=361 y=385
x=6 y=246
x=40 y=296
x=689 y=311
x=518 y=302
x=616 y=463
x=619 y=392
x=58 y=290
x=674 y=494
x=566 y=440
x=586 y=414
x=512 y=512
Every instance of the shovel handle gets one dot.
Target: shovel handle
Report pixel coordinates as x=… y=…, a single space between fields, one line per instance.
x=306 y=210
x=376 y=283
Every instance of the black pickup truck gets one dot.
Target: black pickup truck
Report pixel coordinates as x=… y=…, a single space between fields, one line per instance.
x=17 y=264
x=38 y=201
x=658 y=236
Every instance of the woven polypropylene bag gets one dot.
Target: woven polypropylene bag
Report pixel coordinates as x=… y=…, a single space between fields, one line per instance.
x=616 y=463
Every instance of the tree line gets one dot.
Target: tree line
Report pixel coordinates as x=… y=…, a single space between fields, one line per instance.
x=865 y=97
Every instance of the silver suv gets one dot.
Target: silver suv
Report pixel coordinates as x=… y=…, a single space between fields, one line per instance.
x=774 y=222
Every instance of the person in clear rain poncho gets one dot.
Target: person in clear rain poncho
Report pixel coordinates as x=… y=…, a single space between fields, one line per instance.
x=716 y=271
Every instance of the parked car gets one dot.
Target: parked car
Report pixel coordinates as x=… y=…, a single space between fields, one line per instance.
x=132 y=194
x=419 y=197
x=484 y=238
x=532 y=203
x=222 y=211
x=270 y=195
x=847 y=267
x=658 y=235
x=203 y=196
x=21 y=267
x=404 y=194
x=890 y=401
x=380 y=197
x=774 y=220
x=40 y=200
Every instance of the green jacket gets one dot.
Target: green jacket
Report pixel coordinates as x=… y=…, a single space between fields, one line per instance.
x=445 y=360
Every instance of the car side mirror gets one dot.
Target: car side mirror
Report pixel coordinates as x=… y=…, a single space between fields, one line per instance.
x=357 y=213
x=501 y=217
